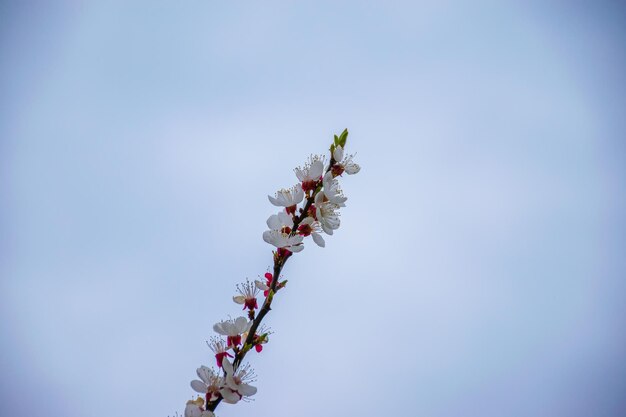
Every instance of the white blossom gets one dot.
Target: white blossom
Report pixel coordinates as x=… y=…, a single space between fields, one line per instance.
x=236 y=383
x=261 y=285
x=344 y=164
x=233 y=329
x=288 y=197
x=281 y=221
x=264 y=286
x=332 y=191
x=326 y=213
x=310 y=226
x=194 y=409
x=219 y=347
x=312 y=170
x=247 y=295
x=283 y=240
x=209 y=383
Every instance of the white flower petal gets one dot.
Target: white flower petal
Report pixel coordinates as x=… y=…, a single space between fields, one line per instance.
x=230 y=381
x=260 y=285
x=239 y=299
x=204 y=373
x=284 y=220
x=352 y=168
x=229 y=396
x=296 y=249
x=217 y=327
x=300 y=173
x=299 y=196
x=241 y=324
x=338 y=199
x=317 y=167
x=227 y=366
x=273 y=222
x=319 y=198
x=246 y=390
x=274 y=201
x=267 y=237
x=192 y=410
x=318 y=239
x=338 y=153
x=229 y=328
x=199 y=386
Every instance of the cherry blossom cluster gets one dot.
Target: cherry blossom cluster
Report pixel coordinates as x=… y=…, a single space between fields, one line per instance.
x=319 y=189
x=309 y=208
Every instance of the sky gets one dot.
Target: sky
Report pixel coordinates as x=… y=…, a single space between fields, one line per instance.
x=479 y=268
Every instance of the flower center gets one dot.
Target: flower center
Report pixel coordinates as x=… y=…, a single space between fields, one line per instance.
x=305 y=229
x=337 y=170
x=309 y=185
x=251 y=303
x=234 y=340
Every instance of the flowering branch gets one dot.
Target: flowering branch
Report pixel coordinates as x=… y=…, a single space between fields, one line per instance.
x=318 y=188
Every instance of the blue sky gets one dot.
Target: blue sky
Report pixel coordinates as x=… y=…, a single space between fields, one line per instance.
x=479 y=269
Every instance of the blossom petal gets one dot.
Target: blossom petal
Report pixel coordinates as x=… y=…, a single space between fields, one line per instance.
x=299 y=196
x=338 y=199
x=246 y=390
x=317 y=167
x=241 y=324
x=198 y=386
x=296 y=248
x=318 y=239
x=273 y=222
x=338 y=153
x=300 y=173
x=229 y=396
x=260 y=285
x=227 y=366
x=267 y=237
x=319 y=198
x=239 y=299
x=193 y=410
x=217 y=327
x=230 y=381
x=284 y=220
x=274 y=201
x=352 y=168
x=204 y=373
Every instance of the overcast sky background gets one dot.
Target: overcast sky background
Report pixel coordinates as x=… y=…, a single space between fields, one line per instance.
x=479 y=270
